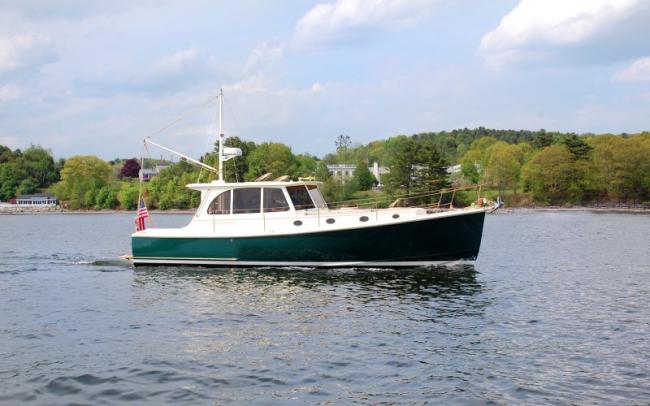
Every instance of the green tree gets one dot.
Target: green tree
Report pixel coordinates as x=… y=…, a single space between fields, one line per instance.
x=430 y=170
x=503 y=166
x=89 y=198
x=577 y=146
x=268 y=157
x=101 y=197
x=469 y=167
x=548 y=174
x=37 y=163
x=322 y=173
x=6 y=154
x=475 y=160
x=168 y=190
x=543 y=139
x=305 y=165
x=622 y=167
x=338 y=192
x=27 y=186
x=128 y=195
x=110 y=201
x=8 y=181
x=79 y=175
x=362 y=177
x=402 y=153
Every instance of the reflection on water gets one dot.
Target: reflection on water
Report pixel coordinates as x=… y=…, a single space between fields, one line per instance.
x=427 y=293
x=426 y=282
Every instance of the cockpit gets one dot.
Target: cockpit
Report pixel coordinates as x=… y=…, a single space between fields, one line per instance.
x=271 y=199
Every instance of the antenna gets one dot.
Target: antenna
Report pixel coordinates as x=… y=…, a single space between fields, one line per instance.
x=225 y=153
x=221 y=135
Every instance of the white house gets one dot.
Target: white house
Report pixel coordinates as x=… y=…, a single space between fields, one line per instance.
x=146 y=174
x=39 y=199
x=345 y=171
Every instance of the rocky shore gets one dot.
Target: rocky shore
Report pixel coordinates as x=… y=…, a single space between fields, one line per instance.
x=13 y=209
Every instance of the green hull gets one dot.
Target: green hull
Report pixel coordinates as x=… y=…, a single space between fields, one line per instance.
x=441 y=239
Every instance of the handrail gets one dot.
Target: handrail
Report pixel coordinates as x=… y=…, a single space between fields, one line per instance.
x=399 y=198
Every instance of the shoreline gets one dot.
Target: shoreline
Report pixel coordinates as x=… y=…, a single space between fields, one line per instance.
x=46 y=211
x=507 y=210
x=503 y=210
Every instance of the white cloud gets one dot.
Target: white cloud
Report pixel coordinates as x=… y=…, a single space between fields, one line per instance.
x=264 y=57
x=9 y=92
x=250 y=85
x=346 y=19
x=23 y=51
x=539 y=30
x=178 y=71
x=317 y=87
x=72 y=9
x=639 y=71
x=179 y=61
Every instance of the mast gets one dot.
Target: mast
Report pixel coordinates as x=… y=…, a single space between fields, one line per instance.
x=221 y=135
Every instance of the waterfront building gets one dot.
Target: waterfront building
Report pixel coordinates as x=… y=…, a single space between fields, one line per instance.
x=38 y=199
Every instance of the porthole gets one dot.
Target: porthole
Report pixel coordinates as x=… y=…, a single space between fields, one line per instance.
x=297 y=223
x=363 y=218
x=330 y=221
x=395 y=216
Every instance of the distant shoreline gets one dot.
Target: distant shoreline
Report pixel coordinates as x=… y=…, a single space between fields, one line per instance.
x=577 y=208
x=45 y=211
x=504 y=210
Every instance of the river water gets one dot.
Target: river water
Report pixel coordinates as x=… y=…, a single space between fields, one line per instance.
x=555 y=311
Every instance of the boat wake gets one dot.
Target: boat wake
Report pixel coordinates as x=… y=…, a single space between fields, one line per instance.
x=116 y=263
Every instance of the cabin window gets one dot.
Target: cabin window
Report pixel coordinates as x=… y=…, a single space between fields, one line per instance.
x=246 y=200
x=220 y=204
x=274 y=200
x=300 y=197
x=316 y=196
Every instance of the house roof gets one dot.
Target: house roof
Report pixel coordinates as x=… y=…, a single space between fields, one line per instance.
x=36 y=195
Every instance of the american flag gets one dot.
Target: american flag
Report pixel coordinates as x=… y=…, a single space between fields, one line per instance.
x=142 y=214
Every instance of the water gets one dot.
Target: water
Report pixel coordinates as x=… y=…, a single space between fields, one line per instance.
x=556 y=311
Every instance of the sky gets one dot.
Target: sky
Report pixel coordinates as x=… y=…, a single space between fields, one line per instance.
x=96 y=78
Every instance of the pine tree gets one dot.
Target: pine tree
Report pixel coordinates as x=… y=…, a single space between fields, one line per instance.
x=362 y=177
x=430 y=173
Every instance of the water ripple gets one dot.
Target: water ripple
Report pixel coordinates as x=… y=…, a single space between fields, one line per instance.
x=555 y=311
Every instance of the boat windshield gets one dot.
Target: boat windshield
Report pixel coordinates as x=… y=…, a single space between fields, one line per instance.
x=316 y=196
x=300 y=197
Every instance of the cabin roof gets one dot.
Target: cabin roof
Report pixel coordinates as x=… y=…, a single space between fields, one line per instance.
x=227 y=185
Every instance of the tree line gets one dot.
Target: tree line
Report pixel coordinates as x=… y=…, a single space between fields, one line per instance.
x=528 y=167
x=25 y=172
x=564 y=169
